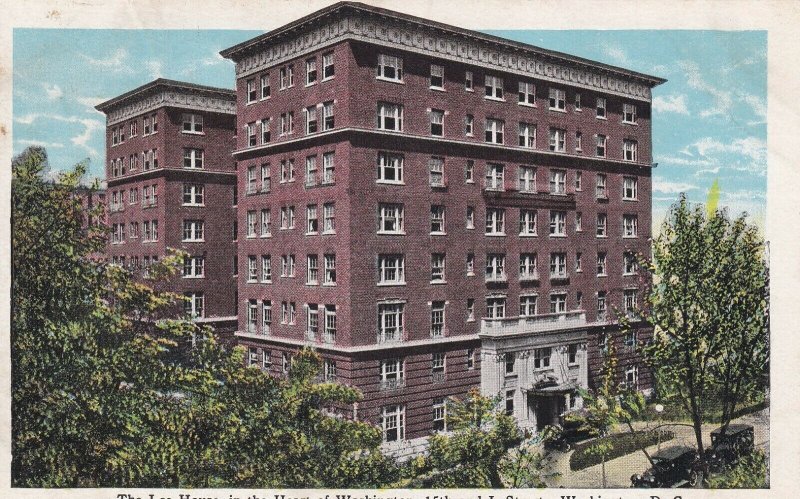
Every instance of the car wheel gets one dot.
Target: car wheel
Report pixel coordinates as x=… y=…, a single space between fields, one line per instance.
x=692 y=480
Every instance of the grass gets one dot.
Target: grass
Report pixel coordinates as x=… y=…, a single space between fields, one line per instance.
x=622 y=444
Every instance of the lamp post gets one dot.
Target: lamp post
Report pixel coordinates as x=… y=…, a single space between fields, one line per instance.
x=659 y=409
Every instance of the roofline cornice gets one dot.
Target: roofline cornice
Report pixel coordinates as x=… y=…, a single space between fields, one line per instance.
x=165 y=85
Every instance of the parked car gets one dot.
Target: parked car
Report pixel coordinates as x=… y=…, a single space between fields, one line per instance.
x=673 y=466
x=727 y=448
x=570 y=432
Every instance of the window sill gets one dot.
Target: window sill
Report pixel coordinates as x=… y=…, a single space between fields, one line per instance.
x=630 y=237
x=314 y=283
x=267 y=282
x=264 y=98
x=526 y=104
x=438 y=233
x=388 y=233
x=194 y=277
x=265 y=236
x=557 y=110
x=496 y=234
x=528 y=235
x=437 y=89
x=438 y=282
x=187 y=132
x=329 y=284
x=312 y=233
x=390 y=80
x=328 y=78
x=602 y=275
x=630 y=199
x=194 y=205
x=389 y=182
x=388 y=284
x=496 y=99
x=602 y=118
x=328 y=232
x=187 y=241
x=311 y=84
x=557 y=236
x=630 y=123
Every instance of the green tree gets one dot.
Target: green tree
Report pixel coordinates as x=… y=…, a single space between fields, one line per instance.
x=749 y=473
x=709 y=309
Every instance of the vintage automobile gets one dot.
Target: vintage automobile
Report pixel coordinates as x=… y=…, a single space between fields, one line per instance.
x=673 y=467
x=569 y=432
x=728 y=447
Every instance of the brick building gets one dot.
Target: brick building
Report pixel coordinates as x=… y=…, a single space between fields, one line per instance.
x=434 y=209
x=170 y=184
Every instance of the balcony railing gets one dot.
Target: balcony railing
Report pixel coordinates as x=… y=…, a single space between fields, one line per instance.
x=392 y=384
x=533 y=324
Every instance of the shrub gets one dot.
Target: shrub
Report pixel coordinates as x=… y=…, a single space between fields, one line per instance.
x=622 y=444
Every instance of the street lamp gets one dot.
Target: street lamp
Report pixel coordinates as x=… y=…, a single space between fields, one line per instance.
x=659 y=409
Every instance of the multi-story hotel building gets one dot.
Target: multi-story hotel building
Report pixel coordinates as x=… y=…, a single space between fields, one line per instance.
x=434 y=209
x=171 y=184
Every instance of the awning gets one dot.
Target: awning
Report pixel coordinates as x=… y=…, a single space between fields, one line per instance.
x=561 y=388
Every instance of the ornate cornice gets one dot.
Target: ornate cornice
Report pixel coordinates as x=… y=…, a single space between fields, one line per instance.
x=171 y=98
x=404 y=35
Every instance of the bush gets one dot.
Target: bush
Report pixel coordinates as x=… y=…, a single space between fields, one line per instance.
x=749 y=473
x=622 y=444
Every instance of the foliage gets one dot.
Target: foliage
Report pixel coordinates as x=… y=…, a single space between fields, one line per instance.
x=749 y=473
x=709 y=309
x=618 y=444
x=108 y=390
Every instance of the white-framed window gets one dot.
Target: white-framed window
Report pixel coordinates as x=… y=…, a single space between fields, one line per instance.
x=266 y=177
x=510 y=402
x=437 y=319
x=527 y=222
x=495 y=221
x=252 y=324
x=630 y=225
x=328 y=118
x=287 y=170
x=133 y=128
x=390 y=116
x=328 y=66
x=193 y=231
x=470 y=264
x=251 y=179
x=287 y=77
x=558 y=181
x=329 y=370
x=251 y=223
x=266 y=268
x=494 y=87
x=541 y=358
x=310 y=114
x=392 y=373
x=393 y=423
x=495 y=307
x=312 y=269
x=391 y=269
x=578 y=106
x=266 y=222
x=600 y=187
x=601 y=107
x=558 y=303
x=602 y=225
x=329 y=270
x=328 y=168
x=437 y=122
x=601 y=306
x=469 y=171
x=601 y=264
x=329 y=218
x=572 y=354
x=436 y=167
x=527 y=179
x=470 y=318
x=265 y=86
x=311 y=170
x=390 y=168
x=527 y=135
x=468 y=81
x=437 y=77
x=312 y=321
x=437 y=267
x=146 y=126
x=528 y=305
x=600 y=149
x=266 y=135
x=252 y=270
x=192 y=158
x=193 y=267
x=251 y=134
x=311 y=71
x=494 y=131
x=629 y=302
x=558 y=265
x=557 y=99
x=632 y=377
x=390 y=218
x=390 y=68
x=438 y=366
x=495 y=177
x=329 y=331
x=439 y=414
x=390 y=322
x=629 y=150
x=252 y=96
x=528 y=267
x=629 y=264
x=469 y=125
x=496 y=267
x=558 y=138
x=630 y=188
x=629 y=113
x=578 y=221
x=527 y=93
x=578 y=141
x=470 y=217
x=287 y=217
x=558 y=223
x=192 y=123
x=437 y=219
x=629 y=339
x=266 y=325
x=194 y=304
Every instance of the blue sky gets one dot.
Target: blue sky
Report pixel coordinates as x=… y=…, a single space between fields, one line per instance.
x=709 y=118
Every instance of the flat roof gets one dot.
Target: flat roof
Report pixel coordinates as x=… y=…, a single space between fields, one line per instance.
x=246 y=47
x=165 y=84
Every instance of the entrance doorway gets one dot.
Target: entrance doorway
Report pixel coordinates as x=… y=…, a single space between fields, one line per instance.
x=548 y=409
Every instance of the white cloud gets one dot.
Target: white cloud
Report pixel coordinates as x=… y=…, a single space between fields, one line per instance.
x=723 y=99
x=91 y=102
x=113 y=62
x=155 y=67
x=665 y=186
x=675 y=160
x=758 y=105
x=617 y=54
x=53 y=91
x=26 y=142
x=213 y=60
x=671 y=104
x=90 y=126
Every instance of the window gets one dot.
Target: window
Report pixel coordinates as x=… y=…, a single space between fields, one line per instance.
x=194 y=304
x=266 y=324
x=601 y=305
x=193 y=158
x=287 y=217
x=558 y=139
x=329 y=275
x=558 y=223
x=495 y=307
x=495 y=177
x=311 y=170
x=527 y=135
x=328 y=68
x=437 y=122
x=437 y=77
x=391 y=374
x=193 y=230
x=558 y=303
x=391 y=269
x=328 y=168
x=527 y=305
x=629 y=340
x=437 y=268
x=510 y=362
x=602 y=223
x=266 y=180
x=265 y=88
x=527 y=267
x=436 y=167
x=311 y=71
x=629 y=150
x=468 y=82
x=193 y=266
x=578 y=142
x=494 y=131
x=146 y=126
x=311 y=119
x=578 y=106
x=192 y=123
x=251 y=134
x=600 y=189
x=600 y=151
x=437 y=219
x=390 y=218
x=393 y=423
x=469 y=172
x=527 y=93
x=266 y=222
x=601 y=107
x=572 y=354
x=287 y=77
x=629 y=113
x=510 y=402
x=390 y=68
x=630 y=188
x=312 y=269
x=328 y=218
x=329 y=371
x=438 y=366
x=470 y=318
x=437 y=319
x=629 y=302
x=251 y=180
x=495 y=267
x=266 y=268
x=312 y=321
x=390 y=322
x=630 y=225
x=558 y=182
x=329 y=333
x=557 y=99
x=541 y=358
x=133 y=128
x=558 y=265
x=601 y=265
x=629 y=264
x=328 y=119
x=470 y=264
x=469 y=125
x=439 y=414
x=287 y=170
x=266 y=135
x=252 y=96
x=632 y=377
x=250 y=221
x=494 y=87
x=495 y=221
x=527 y=222
x=390 y=168
x=390 y=117
x=252 y=269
